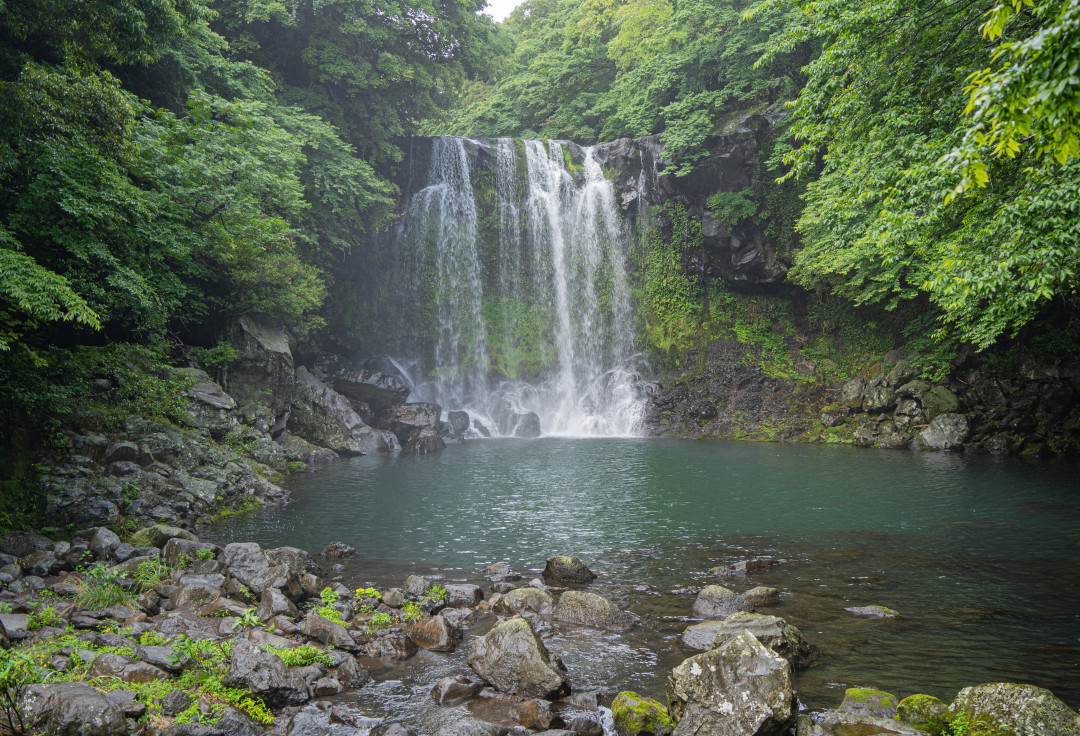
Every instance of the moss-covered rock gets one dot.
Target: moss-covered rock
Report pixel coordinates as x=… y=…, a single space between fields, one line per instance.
x=1024 y=710
x=925 y=712
x=636 y=715
x=864 y=701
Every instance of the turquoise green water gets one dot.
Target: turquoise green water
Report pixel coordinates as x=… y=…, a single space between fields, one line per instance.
x=978 y=554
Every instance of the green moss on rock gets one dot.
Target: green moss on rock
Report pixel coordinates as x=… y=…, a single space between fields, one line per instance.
x=924 y=712
x=635 y=715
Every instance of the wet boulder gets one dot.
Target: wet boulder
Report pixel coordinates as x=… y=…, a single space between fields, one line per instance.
x=264 y=675
x=1025 y=710
x=463 y=595
x=924 y=712
x=417 y=427
x=590 y=609
x=863 y=701
x=701 y=636
x=392 y=645
x=565 y=569
x=328 y=632
x=323 y=416
x=70 y=709
x=459 y=422
x=530 y=599
x=762 y=596
x=514 y=660
x=452 y=689
x=635 y=715
x=436 y=634
x=741 y=689
x=717 y=602
x=772 y=631
x=244 y=561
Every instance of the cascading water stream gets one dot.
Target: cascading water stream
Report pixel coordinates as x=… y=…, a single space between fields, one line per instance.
x=515 y=276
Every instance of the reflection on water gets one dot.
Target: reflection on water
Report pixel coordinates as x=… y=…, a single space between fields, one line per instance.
x=978 y=554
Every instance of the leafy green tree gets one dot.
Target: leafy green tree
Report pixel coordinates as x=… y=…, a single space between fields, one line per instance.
x=879 y=120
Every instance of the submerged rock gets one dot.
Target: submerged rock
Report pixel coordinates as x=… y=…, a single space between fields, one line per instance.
x=514 y=660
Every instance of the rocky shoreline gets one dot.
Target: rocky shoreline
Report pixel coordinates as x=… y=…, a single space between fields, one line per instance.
x=165 y=634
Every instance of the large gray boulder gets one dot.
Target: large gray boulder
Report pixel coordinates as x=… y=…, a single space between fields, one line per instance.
x=946 y=432
x=264 y=675
x=513 y=659
x=436 y=634
x=741 y=689
x=565 y=569
x=1026 y=710
x=70 y=709
x=772 y=631
x=323 y=416
x=245 y=561
x=590 y=609
x=716 y=601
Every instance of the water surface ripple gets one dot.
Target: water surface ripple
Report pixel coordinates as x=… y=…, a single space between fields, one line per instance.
x=978 y=554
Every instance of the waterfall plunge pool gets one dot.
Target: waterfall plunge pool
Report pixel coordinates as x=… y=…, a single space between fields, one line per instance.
x=978 y=554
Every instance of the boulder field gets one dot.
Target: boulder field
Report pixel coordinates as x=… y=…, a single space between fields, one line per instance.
x=166 y=634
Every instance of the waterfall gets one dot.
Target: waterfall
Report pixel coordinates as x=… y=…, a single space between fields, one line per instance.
x=512 y=289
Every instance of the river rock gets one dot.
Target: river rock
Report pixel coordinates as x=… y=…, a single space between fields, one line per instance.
x=70 y=709
x=342 y=720
x=473 y=727
x=452 y=689
x=1026 y=710
x=409 y=421
x=590 y=609
x=861 y=701
x=264 y=675
x=514 y=660
x=564 y=569
x=338 y=551
x=235 y=722
x=350 y=673
x=740 y=689
x=417 y=585
x=873 y=611
x=329 y=633
x=244 y=561
x=762 y=596
x=394 y=645
x=946 y=432
x=463 y=595
x=519 y=600
x=436 y=634
x=274 y=603
x=842 y=723
x=717 y=602
x=701 y=636
x=772 y=631
x=635 y=715
x=924 y=712
x=158 y=536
